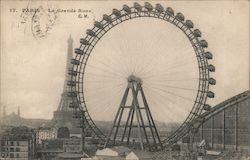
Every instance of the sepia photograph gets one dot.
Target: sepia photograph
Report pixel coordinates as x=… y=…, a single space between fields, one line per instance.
x=124 y=80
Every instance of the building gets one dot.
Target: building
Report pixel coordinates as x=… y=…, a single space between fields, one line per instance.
x=139 y=155
x=226 y=127
x=70 y=156
x=15 y=119
x=50 y=148
x=72 y=145
x=117 y=153
x=18 y=143
x=44 y=133
x=120 y=153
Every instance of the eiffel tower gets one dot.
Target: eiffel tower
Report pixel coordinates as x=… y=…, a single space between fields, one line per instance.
x=139 y=118
x=63 y=116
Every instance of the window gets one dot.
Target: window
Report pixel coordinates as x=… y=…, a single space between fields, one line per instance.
x=17 y=155
x=2 y=155
x=11 y=155
x=12 y=143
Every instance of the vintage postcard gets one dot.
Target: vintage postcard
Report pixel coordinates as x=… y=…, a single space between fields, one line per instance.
x=124 y=80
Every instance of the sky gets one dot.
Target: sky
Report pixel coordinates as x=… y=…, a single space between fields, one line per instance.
x=33 y=67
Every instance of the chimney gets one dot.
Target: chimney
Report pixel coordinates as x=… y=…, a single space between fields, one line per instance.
x=4 y=112
x=18 y=111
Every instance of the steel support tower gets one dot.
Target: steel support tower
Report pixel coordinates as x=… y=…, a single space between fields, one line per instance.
x=139 y=117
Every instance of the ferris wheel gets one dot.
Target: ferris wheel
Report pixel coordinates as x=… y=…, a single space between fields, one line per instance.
x=152 y=43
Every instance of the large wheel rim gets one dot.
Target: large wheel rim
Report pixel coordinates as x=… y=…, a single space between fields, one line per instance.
x=119 y=16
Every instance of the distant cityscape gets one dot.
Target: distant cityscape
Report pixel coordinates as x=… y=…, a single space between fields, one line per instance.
x=37 y=139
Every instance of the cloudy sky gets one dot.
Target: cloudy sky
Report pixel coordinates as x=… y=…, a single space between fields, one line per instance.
x=33 y=68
